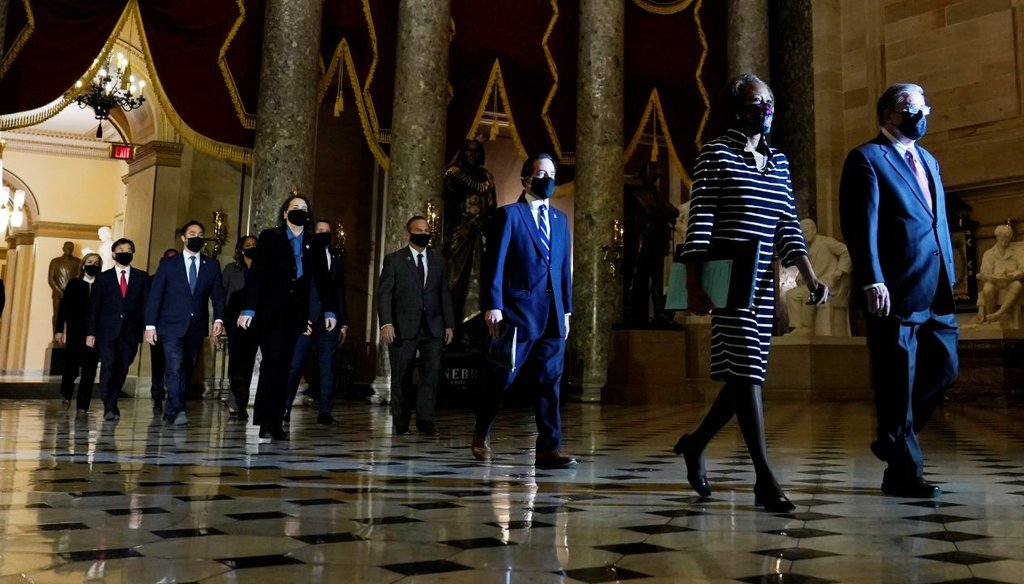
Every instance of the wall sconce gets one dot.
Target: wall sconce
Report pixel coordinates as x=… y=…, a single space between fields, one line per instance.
x=219 y=234
x=432 y=223
x=613 y=252
x=12 y=212
x=339 y=235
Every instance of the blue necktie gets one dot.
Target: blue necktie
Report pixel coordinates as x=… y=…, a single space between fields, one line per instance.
x=422 y=270
x=542 y=227
x=193 y=274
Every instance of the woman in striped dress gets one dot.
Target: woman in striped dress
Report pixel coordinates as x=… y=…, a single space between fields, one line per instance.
x=742 y=192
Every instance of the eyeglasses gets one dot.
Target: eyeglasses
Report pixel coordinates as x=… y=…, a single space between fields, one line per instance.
x=912 y=109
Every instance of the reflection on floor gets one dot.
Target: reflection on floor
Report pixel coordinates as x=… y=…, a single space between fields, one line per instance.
x=139 y=502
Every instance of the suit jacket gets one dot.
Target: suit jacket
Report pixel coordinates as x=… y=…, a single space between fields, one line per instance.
x=519 y=279
x=112 y=316
x=893 y=236
x=174 y=309
x=404 y=302
x=233 y=278
x=73 y=311
x=279 y=299
x=336 y=272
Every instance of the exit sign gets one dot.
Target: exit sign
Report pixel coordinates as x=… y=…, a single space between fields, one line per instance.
x=122 y=151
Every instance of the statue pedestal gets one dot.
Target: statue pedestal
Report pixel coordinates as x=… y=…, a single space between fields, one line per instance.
x=991 y=362
x=834 y=367
x=647 y=367
x=462 y=375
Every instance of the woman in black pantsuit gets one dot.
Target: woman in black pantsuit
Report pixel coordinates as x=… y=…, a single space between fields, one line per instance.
x=79 y=358
x=276 y=304
x=242 y=344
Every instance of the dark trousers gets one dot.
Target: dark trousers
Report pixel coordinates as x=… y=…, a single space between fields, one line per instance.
x=913 y=363
x=326 y=343
x=180 y=355
x=79 y=358
x=242 y=347
x=116 y=357
x=159 y=369
x=402 y=353
x=277 y=345
x=539 y=364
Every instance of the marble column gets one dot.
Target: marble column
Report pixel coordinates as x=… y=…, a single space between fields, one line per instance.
x=283 y=157
x=597 y=298
x=747 y=38
x=417 y=133
x=791 y=31
x=418 y=123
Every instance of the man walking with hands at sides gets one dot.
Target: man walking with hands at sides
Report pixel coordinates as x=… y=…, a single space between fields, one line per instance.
x=893 y=215
x=416 y=314
x=177 y=314
x=527 y=284
x=115 y=322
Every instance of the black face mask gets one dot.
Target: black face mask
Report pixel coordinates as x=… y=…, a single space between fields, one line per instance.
x=542 y=187
x=124 y=257
x=913 y=126
x=323 y=239
x=249 y=253
x=91 y=269
x=757 y=119
x=298 y=217
x=419 y=239
x=194 y=244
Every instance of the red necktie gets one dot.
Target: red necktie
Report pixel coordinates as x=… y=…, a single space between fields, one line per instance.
x=922 y=180
x=124 y=285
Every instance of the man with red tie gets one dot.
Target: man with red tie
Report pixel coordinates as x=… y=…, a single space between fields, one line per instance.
x=114 y=326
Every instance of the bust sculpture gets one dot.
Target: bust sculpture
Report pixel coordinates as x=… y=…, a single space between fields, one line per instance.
x=1000 y=276
x=831 y=262
x=469 y=199
x=105 y=250
x=62 y=269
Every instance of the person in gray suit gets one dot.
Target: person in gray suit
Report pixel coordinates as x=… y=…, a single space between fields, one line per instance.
x=415 y=311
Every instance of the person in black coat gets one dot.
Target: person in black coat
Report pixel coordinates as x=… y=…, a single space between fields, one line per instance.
x=242 y=343
x=72 y=315
x=115 y=322
x=277 y=304
x=326 y=341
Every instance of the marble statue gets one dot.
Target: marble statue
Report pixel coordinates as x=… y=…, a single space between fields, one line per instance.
x=469 y=200
x=62 y=269
x=650 y=222
x=1001 y=275
x=105 y=250
x=831 y=262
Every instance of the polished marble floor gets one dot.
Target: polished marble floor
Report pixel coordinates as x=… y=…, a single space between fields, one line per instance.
x=137 y=502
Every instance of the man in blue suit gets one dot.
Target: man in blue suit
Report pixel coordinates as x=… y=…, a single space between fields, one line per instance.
x=114 y=325
x=893 y=215
x=527 y=283
x=178 y=314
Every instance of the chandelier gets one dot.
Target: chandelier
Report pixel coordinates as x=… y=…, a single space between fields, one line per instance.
x=111 y=88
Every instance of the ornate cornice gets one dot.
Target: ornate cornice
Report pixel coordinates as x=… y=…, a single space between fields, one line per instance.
x=70 y=230
x=155 y=154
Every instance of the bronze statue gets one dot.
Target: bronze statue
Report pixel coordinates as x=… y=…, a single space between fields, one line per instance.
x=650 y=223
x=469 y=199
x=62 y=269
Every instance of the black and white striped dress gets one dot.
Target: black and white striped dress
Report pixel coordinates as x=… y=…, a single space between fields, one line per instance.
x=732 y=200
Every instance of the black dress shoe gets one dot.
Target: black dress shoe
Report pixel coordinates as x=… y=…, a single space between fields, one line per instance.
x=694 y=468
x=772 y=498
x=243 y=415
x=428 y=428
x=325 y=419
x=915 y=488
x=400 y=429
x=278 y=434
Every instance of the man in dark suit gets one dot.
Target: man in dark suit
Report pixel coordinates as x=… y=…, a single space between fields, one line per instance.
x=115 y=322
x=326 y=341
x=527 y=283
x=893 y=211
x=178 y=314
x=415 y=311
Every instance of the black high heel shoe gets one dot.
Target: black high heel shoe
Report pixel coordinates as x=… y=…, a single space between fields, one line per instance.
x=772 y=498
x=694 y=468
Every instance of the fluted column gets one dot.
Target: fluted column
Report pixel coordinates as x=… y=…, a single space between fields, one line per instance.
x=747 y=38
x=418 y=122
x=286 y=116
x=599 y=167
